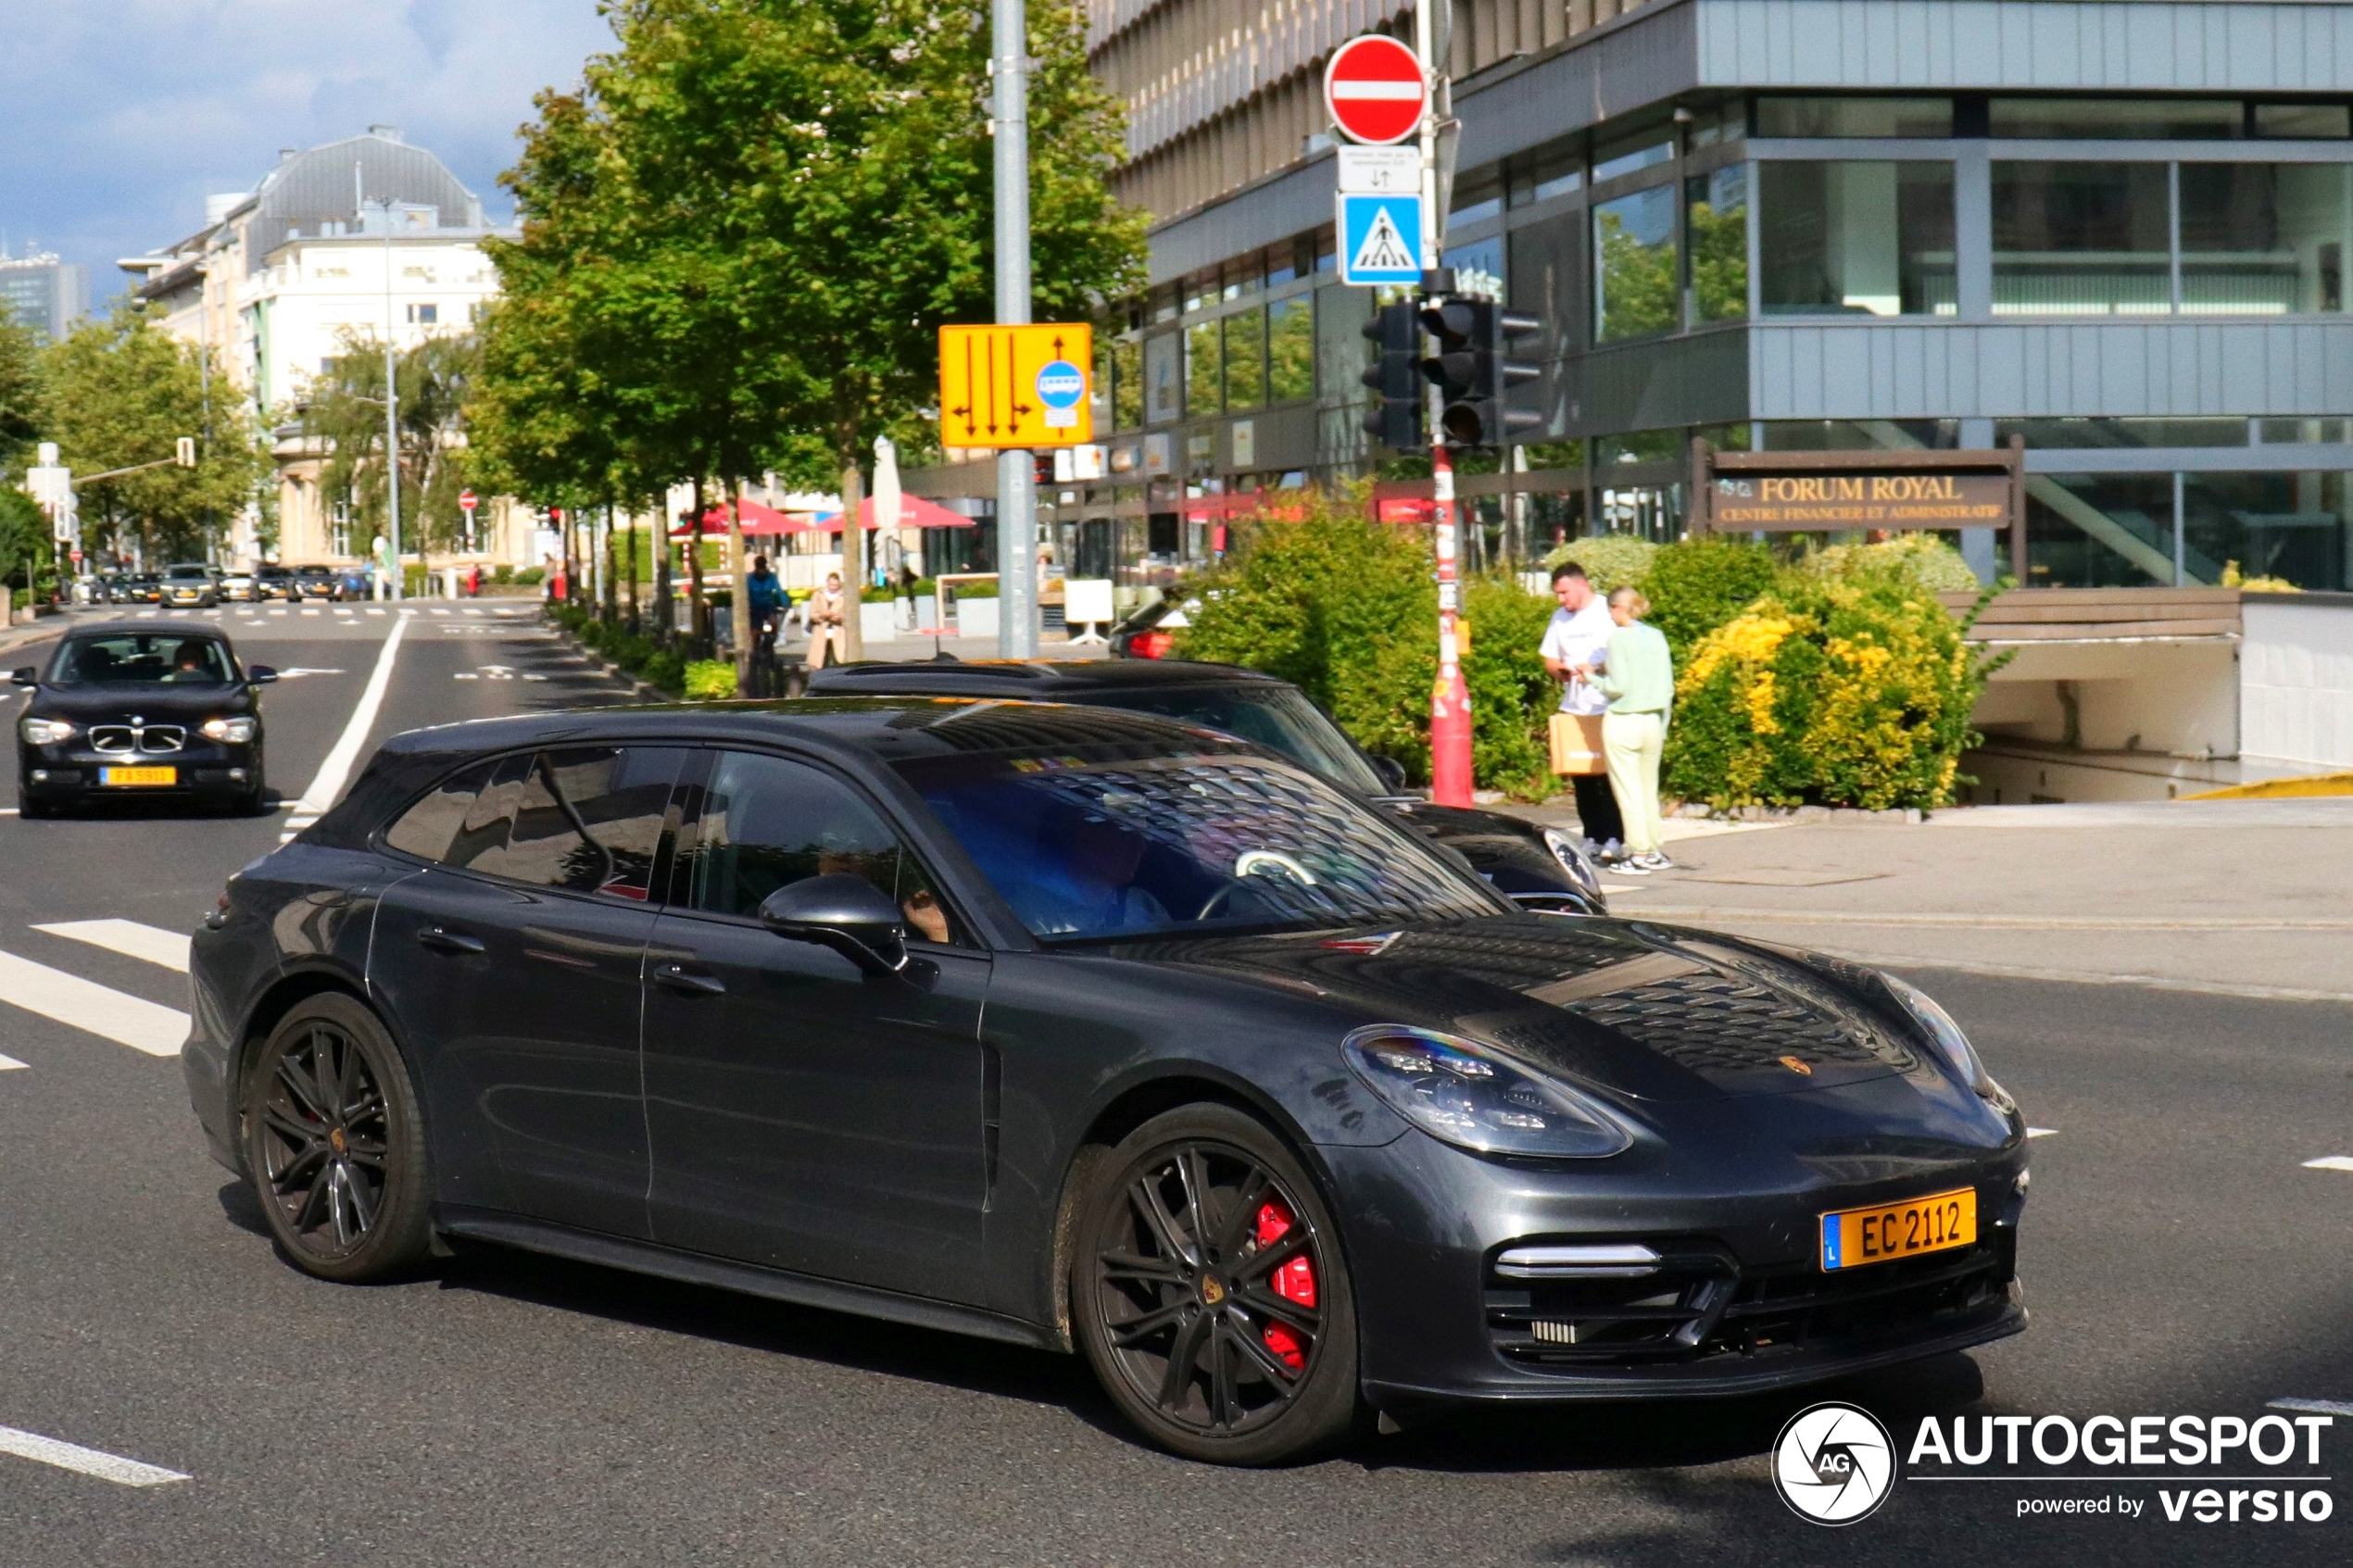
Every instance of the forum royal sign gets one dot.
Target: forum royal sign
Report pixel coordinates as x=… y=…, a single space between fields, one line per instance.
x=1816 y=492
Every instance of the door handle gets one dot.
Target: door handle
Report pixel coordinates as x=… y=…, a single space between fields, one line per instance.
x=442 y=939
x=680 y=978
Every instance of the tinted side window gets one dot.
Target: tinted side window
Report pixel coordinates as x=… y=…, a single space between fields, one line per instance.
x=766 y=823
x=427 y=829
x=588 y=819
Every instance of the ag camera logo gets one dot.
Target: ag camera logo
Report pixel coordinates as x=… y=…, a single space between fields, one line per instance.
x=1833 y=1463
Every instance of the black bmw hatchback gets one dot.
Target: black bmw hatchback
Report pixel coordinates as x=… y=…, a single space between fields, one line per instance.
x=132 y=708
x=1091 y=1031
x=1540 y=867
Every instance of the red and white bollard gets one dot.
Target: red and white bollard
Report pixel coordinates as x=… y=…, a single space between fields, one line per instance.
x=1450 y=709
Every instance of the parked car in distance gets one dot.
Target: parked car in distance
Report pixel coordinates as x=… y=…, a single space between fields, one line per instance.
x=1092 y=1032
x=318 y=581
x=238 y=588
x=271 y=581
x=141 y=707
x=1537 y=865
x=191 y=585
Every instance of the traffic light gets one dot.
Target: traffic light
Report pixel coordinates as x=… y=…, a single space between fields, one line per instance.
x=1472 y=373
x=1395 y=416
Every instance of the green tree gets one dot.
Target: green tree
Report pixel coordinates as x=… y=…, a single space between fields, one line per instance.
x=346 y=413
x=19 y=387
x=119 y=392
x=24 y=537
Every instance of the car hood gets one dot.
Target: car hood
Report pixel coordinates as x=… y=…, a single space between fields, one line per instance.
x=178 y=704
x=1640 y=1009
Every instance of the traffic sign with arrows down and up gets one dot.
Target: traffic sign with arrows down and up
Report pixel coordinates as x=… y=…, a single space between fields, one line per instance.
x=1017 y=386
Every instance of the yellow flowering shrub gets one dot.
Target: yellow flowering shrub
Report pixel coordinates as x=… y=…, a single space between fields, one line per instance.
x=1852 y=691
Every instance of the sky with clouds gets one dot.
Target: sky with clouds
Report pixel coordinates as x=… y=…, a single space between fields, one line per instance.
x=118 y=117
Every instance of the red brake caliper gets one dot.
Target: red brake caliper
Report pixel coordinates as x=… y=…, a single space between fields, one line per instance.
x=1295 y=1281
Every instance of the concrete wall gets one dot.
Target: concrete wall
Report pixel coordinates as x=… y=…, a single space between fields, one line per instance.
x=2295 y=682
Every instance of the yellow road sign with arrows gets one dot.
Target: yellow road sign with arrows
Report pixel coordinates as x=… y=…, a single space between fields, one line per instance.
x=1017 y=386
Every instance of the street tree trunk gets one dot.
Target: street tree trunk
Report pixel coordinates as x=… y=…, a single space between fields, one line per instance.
x=740 y=608
x=853 y=565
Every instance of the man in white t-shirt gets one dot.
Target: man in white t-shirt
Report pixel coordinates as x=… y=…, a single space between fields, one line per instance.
x=1579 y=634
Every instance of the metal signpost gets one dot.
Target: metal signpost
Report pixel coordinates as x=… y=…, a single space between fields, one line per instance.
x=1016 y=470
x=1389 y=228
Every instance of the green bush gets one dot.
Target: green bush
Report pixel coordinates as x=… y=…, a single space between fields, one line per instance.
x=1925 y=559
x=1611 y=561
x=1831 y=691
x=531 y=576
x=974 y=591
x=710 y=679
x=502 y=574
x=1698 y=584
x=1345 y=608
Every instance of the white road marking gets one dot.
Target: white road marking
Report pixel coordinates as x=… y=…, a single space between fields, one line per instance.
x=298 y=671
x=89 y=1462
x=470 y=611
x=2040 y=1132
x=307 y=612
x=85 y=1005
x=336 y=770
x=277 y=612
x=128 y=937
x=2330 y=1162
x=7 y=811
x=10 y=1064
x=373 y=610
x=2317 y=1407
x=465 y=675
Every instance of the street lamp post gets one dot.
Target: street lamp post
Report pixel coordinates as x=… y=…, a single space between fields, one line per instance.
x=1016 y=470
x=392 y=408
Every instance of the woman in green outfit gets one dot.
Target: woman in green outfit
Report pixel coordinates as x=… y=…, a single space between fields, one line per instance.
x=1638 y=676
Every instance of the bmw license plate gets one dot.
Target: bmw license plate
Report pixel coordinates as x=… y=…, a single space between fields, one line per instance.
x=148 y=777
x=1852 y=1238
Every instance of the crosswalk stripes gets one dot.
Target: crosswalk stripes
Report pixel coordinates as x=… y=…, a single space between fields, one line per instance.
x=128 y=937
x=88 y=1006
x=10 y=1064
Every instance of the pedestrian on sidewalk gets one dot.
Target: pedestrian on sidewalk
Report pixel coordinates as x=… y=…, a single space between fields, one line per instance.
x=1578 y=634
x=1637 y=675
x=825 y=613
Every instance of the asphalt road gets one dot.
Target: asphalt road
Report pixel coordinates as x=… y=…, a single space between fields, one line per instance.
x=2179 y=1254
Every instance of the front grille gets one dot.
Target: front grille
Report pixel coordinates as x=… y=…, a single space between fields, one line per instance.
x=1699 y=1305
x=120 y=740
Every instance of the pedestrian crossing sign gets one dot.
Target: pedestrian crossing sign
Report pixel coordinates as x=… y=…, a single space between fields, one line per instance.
x=1380 y=238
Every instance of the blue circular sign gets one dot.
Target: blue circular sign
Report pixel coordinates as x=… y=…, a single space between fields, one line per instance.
x=1061 y=385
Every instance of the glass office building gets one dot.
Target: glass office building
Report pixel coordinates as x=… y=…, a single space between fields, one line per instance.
x=2118 y=230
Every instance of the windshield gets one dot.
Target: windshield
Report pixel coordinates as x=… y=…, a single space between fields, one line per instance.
x=1278 y=718
x=141 y=658
x=189 y=572
x=1084 y=849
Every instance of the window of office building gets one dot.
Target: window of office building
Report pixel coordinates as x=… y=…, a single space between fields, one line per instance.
x=1853 y=116
x=1163 y=378
x=2122 y=433
x=1856 y=238
x=2292 y=526
x=1291 y=349
x=1204 y=368
x=1126 y=356
x=2082 y=239
x=1849 y=436
x=1716 y=221
x=2263 y=239
x=1633 y=151
x=2099 y=530
x=1634 y=287
x=2313 y=122
x=2187 y=120
x=1245 y=359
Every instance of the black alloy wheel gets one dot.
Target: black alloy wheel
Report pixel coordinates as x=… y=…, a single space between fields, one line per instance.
x=1210 y=1293
x=335 y=1145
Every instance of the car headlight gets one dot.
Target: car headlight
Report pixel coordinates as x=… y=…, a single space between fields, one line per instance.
x=1940 y=1027
x=235 y=731
x=1476 y=1098
x=46 y=732
x=1573 y=859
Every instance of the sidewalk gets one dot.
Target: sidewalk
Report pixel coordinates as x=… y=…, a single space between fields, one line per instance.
x=2242 y=898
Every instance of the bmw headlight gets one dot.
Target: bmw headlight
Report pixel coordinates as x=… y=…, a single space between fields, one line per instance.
x=1476 y=1098
x=46 y=732
x=233 y=732
x=1573 y=859
x=1940 y=1027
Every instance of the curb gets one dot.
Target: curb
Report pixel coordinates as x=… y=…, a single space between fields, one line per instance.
x=638 y=689
x=1906 y=814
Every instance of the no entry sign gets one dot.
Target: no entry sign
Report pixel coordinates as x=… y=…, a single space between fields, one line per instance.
x=1375 y=89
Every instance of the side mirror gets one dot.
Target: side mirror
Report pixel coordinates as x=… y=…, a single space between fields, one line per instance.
x=260 y=675
x=1392 y=771
x=846 y=913
x=24 y=677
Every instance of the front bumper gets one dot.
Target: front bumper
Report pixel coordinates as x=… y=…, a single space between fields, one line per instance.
x=1739 y=1303
x=68 y=773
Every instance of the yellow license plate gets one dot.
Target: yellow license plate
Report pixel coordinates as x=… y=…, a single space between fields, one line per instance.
x=148 y=776
x=1852 y=1238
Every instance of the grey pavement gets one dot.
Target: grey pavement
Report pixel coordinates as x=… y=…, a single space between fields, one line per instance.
x=2251 y=898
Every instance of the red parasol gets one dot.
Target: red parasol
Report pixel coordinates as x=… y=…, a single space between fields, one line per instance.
x=914 y=512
